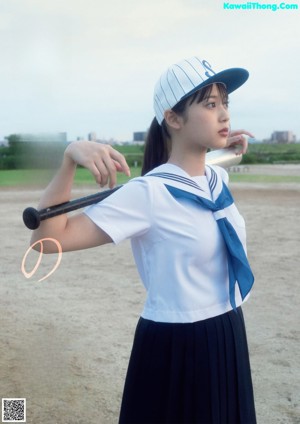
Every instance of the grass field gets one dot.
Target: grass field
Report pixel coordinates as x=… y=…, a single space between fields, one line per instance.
x=254 y=178
x=40 y=178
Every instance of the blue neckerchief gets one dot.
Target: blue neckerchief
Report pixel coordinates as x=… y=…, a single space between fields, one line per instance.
x=238 y=266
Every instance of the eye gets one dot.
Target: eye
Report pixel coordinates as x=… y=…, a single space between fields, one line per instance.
x=226 y=104
x=211 y=105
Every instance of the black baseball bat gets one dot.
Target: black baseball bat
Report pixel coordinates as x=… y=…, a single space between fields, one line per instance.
x=32 y=217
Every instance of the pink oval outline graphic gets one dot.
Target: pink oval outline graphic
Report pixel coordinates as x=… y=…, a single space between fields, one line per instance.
x=30 y=274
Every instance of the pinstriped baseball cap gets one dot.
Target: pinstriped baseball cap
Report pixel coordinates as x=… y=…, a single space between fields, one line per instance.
x=188 y=76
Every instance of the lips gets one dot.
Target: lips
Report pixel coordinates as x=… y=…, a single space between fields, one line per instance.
x=224 y=132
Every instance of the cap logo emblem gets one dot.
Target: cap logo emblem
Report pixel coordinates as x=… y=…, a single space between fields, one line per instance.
x=208 y=68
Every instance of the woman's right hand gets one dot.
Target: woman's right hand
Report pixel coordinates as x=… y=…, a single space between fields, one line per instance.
x=102 y=160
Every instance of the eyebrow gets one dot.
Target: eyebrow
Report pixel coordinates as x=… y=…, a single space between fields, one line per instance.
x=211 y=97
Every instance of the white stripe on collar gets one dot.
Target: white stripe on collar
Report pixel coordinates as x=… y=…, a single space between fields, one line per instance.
x=183 y=181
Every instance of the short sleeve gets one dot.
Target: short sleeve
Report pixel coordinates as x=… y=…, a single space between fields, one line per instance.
x=126 y=213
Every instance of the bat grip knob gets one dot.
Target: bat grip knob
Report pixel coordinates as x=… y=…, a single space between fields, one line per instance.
x=31 y=218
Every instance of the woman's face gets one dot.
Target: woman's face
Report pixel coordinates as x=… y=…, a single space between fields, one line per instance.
x=206 y=124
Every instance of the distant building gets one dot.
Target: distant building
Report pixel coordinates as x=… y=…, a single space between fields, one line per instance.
x=92 y=136
x=283 y=137
x=60 y=137
x=139 y=136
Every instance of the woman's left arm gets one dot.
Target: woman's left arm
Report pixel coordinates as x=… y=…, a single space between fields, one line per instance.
x=237 y=138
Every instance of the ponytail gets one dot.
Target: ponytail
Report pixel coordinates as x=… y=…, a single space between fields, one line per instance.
x=156 y=147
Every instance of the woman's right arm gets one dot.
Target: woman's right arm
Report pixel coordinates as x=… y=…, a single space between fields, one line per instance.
x=78 y=232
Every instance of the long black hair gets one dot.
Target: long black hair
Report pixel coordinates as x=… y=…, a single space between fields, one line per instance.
x=158 y=141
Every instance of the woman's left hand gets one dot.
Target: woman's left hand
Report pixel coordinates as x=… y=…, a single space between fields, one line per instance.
x=237 y=138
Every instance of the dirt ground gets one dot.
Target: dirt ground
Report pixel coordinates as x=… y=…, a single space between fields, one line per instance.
x=65 y=342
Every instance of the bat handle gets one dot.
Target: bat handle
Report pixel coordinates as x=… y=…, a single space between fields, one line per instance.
x=31 y=218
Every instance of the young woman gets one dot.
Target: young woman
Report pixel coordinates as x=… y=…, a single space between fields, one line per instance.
x=189 y=362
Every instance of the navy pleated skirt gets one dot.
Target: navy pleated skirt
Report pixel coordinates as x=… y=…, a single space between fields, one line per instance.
x=189 y=373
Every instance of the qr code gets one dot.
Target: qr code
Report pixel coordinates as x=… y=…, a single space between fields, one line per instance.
x=13 y=410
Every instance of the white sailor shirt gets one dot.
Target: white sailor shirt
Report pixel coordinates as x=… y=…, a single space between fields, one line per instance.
x=177 y=245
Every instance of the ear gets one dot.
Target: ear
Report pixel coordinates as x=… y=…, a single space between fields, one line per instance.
x=172 y=119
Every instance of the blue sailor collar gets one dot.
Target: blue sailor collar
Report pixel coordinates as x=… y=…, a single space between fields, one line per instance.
x=182 y=180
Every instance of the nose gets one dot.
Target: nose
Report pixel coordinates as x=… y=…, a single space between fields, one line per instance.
x=224 y=114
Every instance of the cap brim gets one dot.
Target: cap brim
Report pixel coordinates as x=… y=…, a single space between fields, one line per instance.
x=232 y=78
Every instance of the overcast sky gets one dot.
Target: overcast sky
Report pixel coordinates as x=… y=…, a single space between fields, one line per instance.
x=91 y=65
